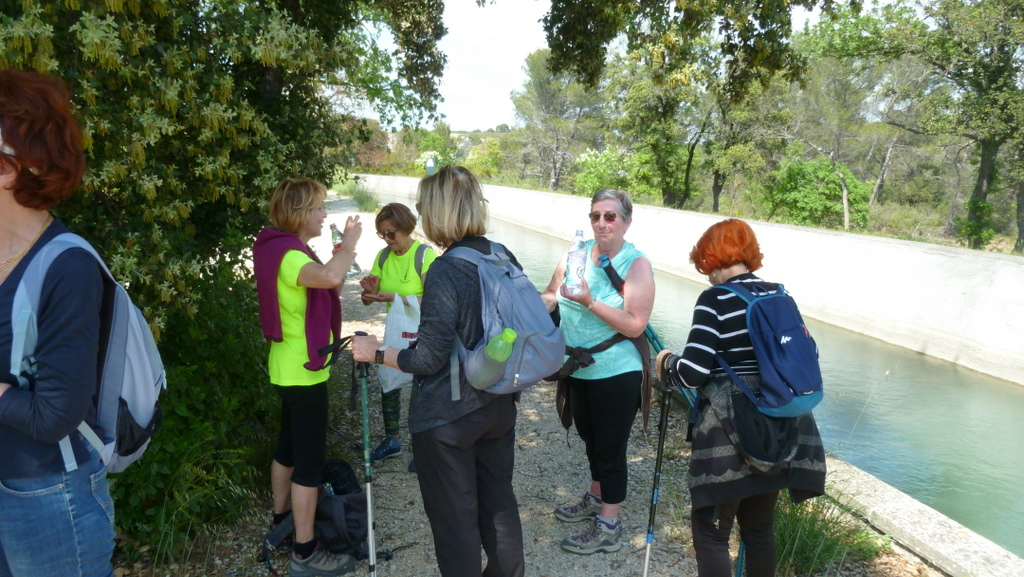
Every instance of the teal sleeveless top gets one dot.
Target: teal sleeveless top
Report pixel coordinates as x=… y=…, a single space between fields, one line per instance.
x=582 y=328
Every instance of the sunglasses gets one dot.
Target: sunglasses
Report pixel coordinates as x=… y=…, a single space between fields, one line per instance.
x=390 y=235
x=608 y=216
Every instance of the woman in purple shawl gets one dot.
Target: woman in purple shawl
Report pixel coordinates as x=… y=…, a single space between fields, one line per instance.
x=300 y=314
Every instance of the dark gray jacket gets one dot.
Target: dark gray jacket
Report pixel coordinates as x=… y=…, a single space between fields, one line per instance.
x=450 y=309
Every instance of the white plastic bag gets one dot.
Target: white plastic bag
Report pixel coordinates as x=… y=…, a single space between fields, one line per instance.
x=402 y=326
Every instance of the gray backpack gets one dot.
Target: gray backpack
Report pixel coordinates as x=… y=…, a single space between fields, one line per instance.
x=131 y=374
x=509 y=300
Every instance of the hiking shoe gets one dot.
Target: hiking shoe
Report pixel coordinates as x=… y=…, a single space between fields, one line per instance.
x=586 y=510
x=322 y=563
x=388 y=447
x=600 y=537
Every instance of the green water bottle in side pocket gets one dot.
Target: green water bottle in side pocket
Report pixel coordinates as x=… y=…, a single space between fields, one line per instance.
x=483 y=370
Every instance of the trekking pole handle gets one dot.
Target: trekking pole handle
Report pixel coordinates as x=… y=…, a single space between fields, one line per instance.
x=364 y=367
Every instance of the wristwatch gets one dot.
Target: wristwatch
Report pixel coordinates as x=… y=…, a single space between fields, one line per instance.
x=378 y=357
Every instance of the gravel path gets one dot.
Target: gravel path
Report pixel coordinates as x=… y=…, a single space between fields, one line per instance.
x=550 y=470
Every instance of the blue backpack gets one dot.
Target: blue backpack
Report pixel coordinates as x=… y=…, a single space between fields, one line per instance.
x=508 y=300
x=787 y=356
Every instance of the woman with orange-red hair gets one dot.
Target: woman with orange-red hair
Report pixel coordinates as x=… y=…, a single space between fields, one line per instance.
x=723 y=487
x=58 y=519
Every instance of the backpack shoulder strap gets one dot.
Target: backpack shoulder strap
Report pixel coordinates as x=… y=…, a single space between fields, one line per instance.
x=738 y=290
x=25 y=330
x=421 y=251
x=383 y=256
x=29 y=291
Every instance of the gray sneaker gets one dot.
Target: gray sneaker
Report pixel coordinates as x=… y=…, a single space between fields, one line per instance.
x=598 y=538
x=322 y=563
x=586 y=510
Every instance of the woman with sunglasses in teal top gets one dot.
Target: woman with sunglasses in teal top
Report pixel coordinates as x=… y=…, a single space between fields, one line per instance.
x=604 y=396
x=397 y=276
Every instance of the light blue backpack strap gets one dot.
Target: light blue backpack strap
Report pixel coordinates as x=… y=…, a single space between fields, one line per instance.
x=455 y=377
x=25 y=328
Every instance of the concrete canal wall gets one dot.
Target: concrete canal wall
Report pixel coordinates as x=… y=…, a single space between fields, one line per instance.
x=955 y=304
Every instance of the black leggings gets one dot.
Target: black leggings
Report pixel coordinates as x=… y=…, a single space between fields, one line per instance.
x=756 y=515
x=604 y=410
x=302 y=442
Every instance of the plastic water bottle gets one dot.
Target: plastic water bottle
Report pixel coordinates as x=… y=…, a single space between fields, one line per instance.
x=486 y=367
x=336 y=239
x=500 y=347
x=336 y=236
x=576 y=263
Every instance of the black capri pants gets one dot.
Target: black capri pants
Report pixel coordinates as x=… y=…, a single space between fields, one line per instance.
x=302 y=443
x=603 y=411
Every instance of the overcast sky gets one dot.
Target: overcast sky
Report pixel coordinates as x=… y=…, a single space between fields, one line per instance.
x=486 y=49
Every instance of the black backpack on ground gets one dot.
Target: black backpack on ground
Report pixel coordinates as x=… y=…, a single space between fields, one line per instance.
x=341 y=523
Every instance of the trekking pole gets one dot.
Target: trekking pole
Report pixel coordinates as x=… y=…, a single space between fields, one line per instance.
x=364 y=374
x=666 y=402
x=691 y=398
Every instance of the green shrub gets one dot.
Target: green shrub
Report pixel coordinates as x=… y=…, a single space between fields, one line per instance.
x=809 y=193
x=919 y=222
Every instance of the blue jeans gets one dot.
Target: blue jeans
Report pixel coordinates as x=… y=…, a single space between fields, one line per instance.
x=57 y=526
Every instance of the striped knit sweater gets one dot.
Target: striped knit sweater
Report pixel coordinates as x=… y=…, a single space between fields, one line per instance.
x=719 y=326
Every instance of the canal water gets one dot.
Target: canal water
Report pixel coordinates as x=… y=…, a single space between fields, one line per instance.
x=945 y=435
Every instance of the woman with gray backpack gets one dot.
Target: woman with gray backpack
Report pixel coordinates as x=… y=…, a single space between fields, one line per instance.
x=465 y=448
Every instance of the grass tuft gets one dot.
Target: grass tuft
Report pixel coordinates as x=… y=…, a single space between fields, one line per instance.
x=365 y=200
x=821 y=534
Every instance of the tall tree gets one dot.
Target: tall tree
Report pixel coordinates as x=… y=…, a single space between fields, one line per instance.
x=560 y=117
x=649 y=121
x=747 y=138
x=830 y=113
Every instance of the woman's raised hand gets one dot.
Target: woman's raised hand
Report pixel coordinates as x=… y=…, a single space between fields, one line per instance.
x=353 y=230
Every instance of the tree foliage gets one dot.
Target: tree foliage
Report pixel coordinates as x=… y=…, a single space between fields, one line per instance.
x=975 y=45
x=193 y=110
x=753 y=36
x=651 y=121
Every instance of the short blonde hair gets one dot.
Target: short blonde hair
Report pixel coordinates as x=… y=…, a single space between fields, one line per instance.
x=452 y=206
x=292 y=202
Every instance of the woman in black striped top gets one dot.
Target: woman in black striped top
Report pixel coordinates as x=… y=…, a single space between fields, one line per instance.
x=723 y=487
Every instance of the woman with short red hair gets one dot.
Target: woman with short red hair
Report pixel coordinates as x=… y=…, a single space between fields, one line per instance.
x=723 y=487
x=58 y=519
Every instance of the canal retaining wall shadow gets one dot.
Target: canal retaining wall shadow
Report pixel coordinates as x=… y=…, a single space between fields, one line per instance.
x=955 y=304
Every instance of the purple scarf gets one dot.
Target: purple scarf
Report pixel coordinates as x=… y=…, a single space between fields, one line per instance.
x=323 y=306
